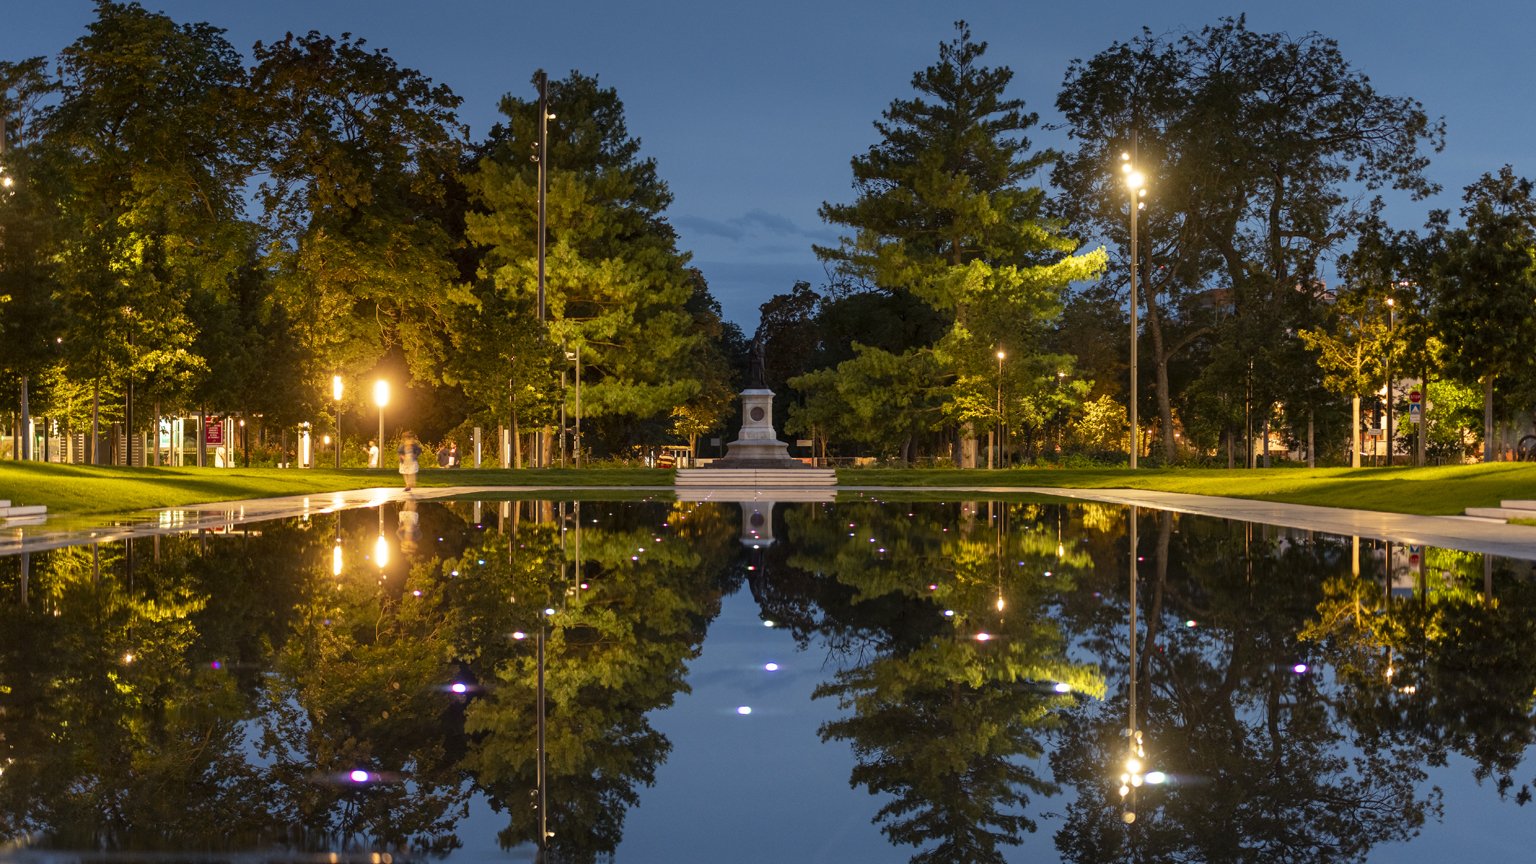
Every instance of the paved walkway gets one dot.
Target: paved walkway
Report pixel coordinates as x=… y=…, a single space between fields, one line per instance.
x=1450 y=532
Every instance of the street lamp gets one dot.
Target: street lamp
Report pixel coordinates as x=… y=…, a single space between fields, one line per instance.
x=997 y=421
x=1135 y=183
x=381 y=398
x=24 y=427
x=1391 y=325
x=336 y=395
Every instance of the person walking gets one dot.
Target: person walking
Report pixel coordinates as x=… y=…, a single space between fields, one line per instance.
x=373 y=454
x=409 y=452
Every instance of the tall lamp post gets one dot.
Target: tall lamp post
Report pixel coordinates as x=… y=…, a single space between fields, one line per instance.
x=336 y=395
x=23 y=450
x=1136 y=184
x=541 y=157
x=1391 y=325
x=381 y=398
x=997 y=422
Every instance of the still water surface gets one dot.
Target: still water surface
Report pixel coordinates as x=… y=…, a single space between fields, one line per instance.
x=858 y=681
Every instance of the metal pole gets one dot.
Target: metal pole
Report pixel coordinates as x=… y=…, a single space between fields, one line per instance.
x=543 y=181
x=21 y=449
x=542 y=768
x=1135 y=267
x=578 y=404
x=997 y=423
x=1391 y=325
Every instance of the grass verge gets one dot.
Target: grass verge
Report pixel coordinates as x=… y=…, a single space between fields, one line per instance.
x=85 y=490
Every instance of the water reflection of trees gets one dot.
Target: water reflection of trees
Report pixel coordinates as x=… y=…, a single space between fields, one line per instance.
x=216 y=692
x=626 y=618
x=220 y=692
x=948 y=705
x=1265 y=763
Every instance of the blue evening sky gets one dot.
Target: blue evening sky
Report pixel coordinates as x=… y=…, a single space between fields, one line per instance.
x=753 y=111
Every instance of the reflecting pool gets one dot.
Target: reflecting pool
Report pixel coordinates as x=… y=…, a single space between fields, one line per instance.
x=957 y=681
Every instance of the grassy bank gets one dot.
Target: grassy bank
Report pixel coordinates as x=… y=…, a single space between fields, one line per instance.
x=93 y=490
x=1440 y=490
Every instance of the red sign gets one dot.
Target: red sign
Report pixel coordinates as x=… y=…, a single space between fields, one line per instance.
x=213 y=431
x=1415 y=396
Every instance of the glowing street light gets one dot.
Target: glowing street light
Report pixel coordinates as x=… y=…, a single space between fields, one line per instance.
x=336 y=396
x=997 y=422
x=1135 y=183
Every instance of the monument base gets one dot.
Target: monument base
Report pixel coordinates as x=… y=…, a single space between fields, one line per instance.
x=757 y=448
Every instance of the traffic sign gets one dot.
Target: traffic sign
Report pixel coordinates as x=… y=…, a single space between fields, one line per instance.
x=1415 y=397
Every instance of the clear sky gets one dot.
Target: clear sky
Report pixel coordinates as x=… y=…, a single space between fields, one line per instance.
x=753 y=110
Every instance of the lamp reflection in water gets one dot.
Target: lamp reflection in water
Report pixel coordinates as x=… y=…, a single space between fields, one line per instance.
x=1134 y=773
x=336 y=549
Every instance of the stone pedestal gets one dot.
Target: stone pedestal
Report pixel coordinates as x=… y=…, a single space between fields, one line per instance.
x=758 y=446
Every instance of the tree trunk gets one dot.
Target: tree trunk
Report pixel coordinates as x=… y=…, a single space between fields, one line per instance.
x=1311 y=451
x=1488 y=437
x=26 y=424
x=1355 y=439
x=1160 y=363
x=95 y=458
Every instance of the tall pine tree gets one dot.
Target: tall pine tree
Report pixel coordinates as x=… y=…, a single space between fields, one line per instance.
x=943 y=215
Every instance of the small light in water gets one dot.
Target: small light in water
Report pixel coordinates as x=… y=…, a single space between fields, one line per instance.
x=215 y=665
x=416 y=593
x=359 y=776
x=744 y=710
x=1156 y=778
x=982 y=637
x=549 y=611
x=128 y=657
x=1189 y=623
x=459 y=687
x=1299 y=668
x=585 y=586
x=949 y=613
x=1063 y=687
x=767 y=623
x=771 y=667
x=518 y=634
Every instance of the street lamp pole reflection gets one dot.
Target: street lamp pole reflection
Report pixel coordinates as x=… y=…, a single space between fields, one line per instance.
x=1133 y=774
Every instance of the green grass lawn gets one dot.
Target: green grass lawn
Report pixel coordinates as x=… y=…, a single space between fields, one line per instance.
x=95 y=490
x=1440 y=490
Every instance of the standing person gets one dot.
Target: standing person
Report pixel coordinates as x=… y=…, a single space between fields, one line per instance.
x=453 y=454
x=409 y=452
x=373 y=453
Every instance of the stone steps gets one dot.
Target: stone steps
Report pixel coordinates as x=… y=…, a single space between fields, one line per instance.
x=755 y=478
x=1507 y=510
x=28 y=511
